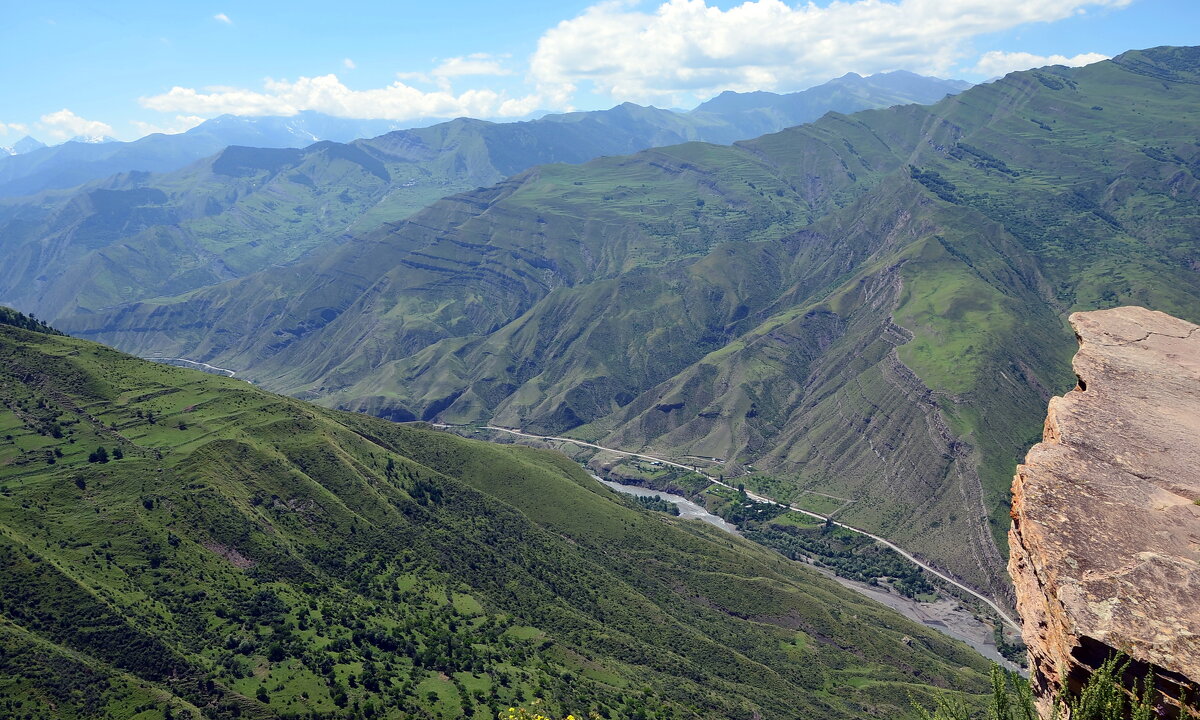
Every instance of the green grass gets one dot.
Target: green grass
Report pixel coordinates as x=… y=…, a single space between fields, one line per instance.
x=819 y=504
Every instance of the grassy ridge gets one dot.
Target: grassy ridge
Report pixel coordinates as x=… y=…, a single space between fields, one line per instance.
x=242 y=554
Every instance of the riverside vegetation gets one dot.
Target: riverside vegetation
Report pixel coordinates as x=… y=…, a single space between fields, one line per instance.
x=870 y=306
x=244 y=554
x=794 y=535
x=797 y=536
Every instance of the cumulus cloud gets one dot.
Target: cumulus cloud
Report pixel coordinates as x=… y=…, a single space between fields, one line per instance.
x=671 y=52
x=14 y=128
x=328 y=95
x=222 y=18
x=182 y=123
x=686 y=49
x=996 y=62
x=64 y=124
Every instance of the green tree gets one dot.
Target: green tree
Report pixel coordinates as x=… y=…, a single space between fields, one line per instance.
x=1103 y=697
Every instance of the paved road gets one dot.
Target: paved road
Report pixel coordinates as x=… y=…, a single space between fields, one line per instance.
x=902 y=552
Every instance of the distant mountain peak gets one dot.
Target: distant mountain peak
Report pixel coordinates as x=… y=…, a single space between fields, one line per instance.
x=24 y=145
x=93 y=139
x=764 y=112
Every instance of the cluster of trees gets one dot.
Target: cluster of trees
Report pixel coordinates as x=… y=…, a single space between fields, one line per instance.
x=848 y=554
x=747 y=514
x=8 y=316
x=101 y=455
x=1104 y=696
x=658 y=504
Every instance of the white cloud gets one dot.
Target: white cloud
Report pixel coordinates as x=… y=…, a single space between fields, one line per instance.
x=997 y=63
x=14 y=128
x=686 y=49
x=222 y=18
x=414 y=77
x=182 y=123
x=474 y=64
x=671 y=52
x=327 y=94
x=64 y=124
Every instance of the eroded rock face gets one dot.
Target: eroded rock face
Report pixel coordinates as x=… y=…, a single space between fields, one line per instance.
x=1105 y=540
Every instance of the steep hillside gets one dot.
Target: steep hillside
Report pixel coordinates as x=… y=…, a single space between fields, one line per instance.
x=175 y=543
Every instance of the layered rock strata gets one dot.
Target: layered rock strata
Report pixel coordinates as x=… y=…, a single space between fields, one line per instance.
x=1105 y=540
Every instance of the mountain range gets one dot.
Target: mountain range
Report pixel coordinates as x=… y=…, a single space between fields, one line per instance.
x=246 y=208
x=732 y=116
x=179 y=545
x=869 y=306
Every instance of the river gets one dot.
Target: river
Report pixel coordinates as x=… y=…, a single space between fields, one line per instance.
x=688 y=510
x=946 y=615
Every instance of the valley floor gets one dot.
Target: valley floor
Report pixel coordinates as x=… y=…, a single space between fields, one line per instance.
x=945 y=615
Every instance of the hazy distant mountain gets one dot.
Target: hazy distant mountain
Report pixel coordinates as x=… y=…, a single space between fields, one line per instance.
x=93 y=139
x=24 y=145
x=725 y=119
x=752 y=114
x=75 y=162
x=299 y=130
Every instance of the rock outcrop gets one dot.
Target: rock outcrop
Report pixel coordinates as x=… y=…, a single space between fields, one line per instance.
x=1105 y=540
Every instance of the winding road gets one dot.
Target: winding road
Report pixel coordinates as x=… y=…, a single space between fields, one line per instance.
x=902 y=552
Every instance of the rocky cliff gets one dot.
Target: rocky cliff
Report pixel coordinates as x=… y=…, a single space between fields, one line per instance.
x=1105 y=540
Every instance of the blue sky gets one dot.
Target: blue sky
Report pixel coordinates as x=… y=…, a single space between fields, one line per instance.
x=128 y=68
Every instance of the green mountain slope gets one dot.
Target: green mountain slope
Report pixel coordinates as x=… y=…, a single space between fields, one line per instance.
x=233 y=553
x=870 y=306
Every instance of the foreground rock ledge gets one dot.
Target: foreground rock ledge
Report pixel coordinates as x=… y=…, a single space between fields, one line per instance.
x=1105 y=540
